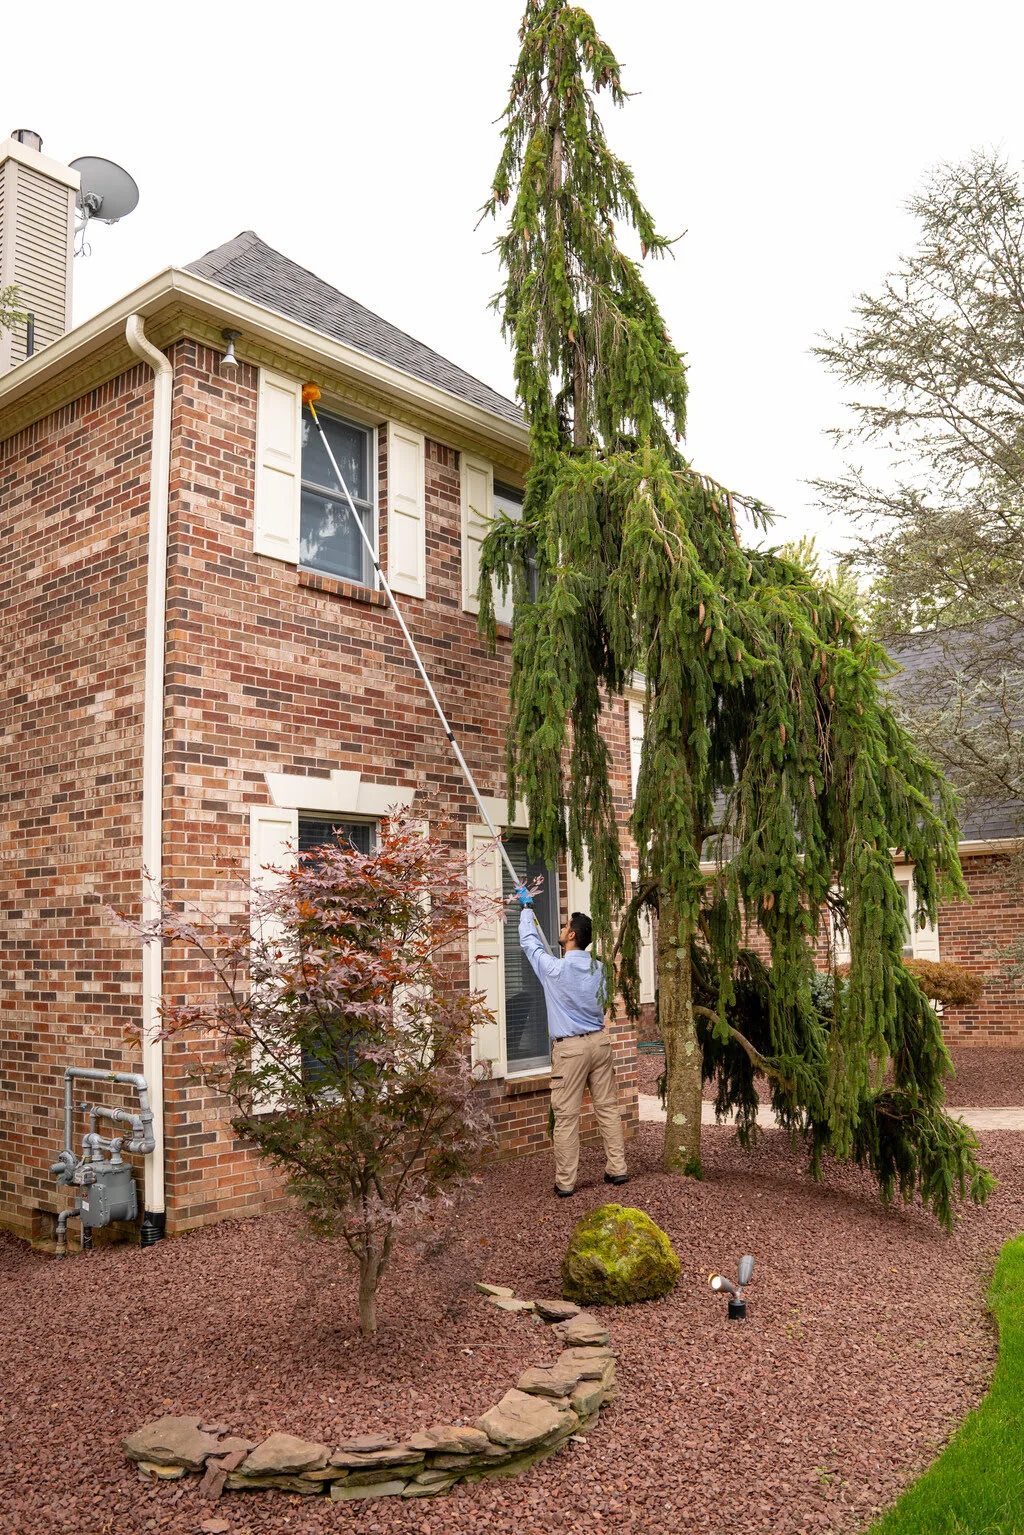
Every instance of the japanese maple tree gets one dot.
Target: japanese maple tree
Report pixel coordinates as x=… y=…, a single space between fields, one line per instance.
x=338 y=1034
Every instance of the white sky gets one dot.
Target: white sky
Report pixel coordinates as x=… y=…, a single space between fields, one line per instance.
x=360 y=140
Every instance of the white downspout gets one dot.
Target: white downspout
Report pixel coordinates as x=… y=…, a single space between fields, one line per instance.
x=153 y=764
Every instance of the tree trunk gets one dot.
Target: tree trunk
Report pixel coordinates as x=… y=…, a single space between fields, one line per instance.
x=369 y=1278
x=683 y=1057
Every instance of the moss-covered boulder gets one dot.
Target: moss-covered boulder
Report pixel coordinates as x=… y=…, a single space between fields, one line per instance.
x=617 y=1256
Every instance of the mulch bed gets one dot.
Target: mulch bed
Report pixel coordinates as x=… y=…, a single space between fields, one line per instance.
x=867 y=1342
x=985 y=1079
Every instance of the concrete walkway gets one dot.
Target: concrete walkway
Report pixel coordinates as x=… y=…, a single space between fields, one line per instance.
x=978 y=1119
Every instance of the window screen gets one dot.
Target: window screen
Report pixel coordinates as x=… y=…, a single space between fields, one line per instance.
x=328 y=539
x=526 y=1019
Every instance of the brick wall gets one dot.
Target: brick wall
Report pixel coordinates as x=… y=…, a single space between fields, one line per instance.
x=971 y=933
x=272 y=669
x=73 y=498
x=267 y=668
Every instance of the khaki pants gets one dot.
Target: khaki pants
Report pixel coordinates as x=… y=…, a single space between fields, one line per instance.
x=576 y=1063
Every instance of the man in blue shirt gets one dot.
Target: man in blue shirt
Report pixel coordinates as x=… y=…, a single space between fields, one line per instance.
x=581 y=1051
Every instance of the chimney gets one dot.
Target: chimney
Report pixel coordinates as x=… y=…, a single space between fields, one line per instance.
x=37 y=231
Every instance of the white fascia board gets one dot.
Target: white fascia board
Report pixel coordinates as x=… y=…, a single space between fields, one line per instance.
x=310 y=347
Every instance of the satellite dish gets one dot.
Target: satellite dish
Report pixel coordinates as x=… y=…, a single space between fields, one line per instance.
x=107 y=192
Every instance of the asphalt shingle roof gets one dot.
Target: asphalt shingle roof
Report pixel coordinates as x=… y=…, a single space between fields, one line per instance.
x=928 y=653
x=247 y=266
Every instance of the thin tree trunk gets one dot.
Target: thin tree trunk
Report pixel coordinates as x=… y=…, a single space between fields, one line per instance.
x=369 y=1278
x=683 y=1056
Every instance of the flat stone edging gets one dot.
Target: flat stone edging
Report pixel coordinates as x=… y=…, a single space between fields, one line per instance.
x=548 y=1406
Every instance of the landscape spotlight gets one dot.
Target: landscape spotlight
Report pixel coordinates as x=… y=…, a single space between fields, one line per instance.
x=719 y=1283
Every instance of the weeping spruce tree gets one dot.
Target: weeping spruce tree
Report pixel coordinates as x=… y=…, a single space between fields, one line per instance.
x=768 y=749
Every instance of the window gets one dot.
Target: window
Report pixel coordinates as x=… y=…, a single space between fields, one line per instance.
x=510 y=501
x=526 y=1019
x=329 y=542
x=322 y=830
x=918 y=942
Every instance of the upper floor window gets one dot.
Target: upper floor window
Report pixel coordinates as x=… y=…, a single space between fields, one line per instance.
x=509 y=500
x=329 y=542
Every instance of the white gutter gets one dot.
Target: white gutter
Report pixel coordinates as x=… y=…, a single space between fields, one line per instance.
x=153 y=757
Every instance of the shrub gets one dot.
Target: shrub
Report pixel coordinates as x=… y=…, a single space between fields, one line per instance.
x=338 y=1038
x=949 y=984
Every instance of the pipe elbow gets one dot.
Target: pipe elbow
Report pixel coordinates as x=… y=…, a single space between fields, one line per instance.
x=135 y=335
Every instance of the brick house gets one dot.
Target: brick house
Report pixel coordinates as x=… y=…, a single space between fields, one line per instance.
x=202 y=675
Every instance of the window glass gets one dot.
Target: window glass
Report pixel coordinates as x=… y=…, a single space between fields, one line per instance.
x=526 y=1019
x=328 y=539
x=324 y=831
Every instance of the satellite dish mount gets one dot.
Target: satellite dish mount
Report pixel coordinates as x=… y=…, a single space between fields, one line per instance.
x=107 y=193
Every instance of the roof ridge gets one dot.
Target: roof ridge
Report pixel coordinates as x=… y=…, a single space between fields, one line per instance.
x=282 y=284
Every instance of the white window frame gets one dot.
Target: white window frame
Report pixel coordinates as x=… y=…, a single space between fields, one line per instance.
x=924 y=941
x=349 y=418
x=635 y=726
x=487 y=947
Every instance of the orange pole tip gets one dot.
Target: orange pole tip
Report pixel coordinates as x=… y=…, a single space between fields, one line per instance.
x=310 y=394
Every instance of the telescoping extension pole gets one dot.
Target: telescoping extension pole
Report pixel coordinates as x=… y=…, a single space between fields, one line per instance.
x=310 y=395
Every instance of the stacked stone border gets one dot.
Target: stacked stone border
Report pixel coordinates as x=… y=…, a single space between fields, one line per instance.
x=549 y=1405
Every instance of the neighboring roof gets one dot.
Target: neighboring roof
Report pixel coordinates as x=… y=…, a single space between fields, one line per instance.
x=247 y=266
x=925 y=657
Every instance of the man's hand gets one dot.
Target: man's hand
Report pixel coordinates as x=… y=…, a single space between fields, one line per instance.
x=523 y=896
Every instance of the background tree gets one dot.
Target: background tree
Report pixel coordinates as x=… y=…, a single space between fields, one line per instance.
x=340 y=1038
x=934 y=370
x=767 y=740
x=10 y=314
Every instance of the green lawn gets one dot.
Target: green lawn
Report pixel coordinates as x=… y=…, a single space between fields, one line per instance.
x=976 y=1487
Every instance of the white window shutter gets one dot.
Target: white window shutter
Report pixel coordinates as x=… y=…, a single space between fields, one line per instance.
x=577 y=886
x=486 y=953
x=477 y=481
x=636 y=740
x=648 y=962
x=648 y=958
x=273 y=843
x=278 y=467
x=407 y=525
x=273 y=840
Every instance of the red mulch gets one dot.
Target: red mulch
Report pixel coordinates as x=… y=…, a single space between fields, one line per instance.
x=985 y=1079
x=867 y=1341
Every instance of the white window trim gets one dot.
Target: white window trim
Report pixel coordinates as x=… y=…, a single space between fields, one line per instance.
x=486 y=968
x=636 y=703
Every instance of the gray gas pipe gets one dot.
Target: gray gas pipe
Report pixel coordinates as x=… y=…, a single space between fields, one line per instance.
x=107 y=1181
